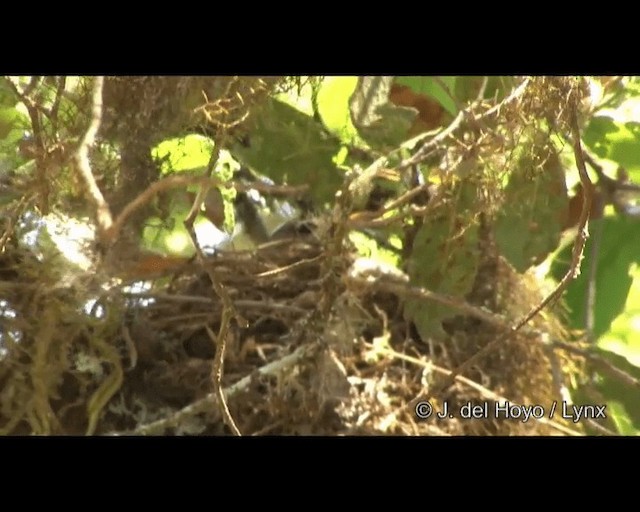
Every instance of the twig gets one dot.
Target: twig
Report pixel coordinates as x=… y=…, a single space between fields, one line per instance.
x=228 y=310
x=487 y=393
x=572 y=272
x=426 y=148
x=415 y=292
x=218 y=364
x=280 y=270
x=103 y=213
x=196 y=299
x=149 y=193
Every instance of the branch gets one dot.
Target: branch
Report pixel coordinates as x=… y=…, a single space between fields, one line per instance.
x=103 y=214
x=228 y=310
x=405 y=290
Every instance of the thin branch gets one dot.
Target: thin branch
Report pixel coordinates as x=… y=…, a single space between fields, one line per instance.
x=228 y=309
x=196 y=299
x=103 y=213
x=218 y=364
x=149 y=193
x=415 y=292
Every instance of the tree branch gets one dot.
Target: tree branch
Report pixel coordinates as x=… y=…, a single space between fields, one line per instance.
x=104 y=219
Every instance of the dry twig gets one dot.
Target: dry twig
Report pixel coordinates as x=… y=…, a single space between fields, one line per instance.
x=103 y=213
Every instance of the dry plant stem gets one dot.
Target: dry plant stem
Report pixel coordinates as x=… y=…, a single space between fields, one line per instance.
x=81 y=157
x=218 y=365
x=204 y=404
x=404 y=290
x=487 y=393
x=195 y=299
x=228 y=310
x=572 y=272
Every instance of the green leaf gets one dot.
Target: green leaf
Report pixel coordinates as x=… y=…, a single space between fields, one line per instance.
x=622 y=337
x=428 y=86
x=11 y=124
x=380 y=123
x=444 y=259
x=615 y=141
x=529 y=225
x=617 y=253
x=333 y=106
x=183 y=153
x=291 y=147
x=623 y=422
x=623 y=406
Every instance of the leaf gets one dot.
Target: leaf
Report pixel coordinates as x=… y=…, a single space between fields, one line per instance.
x=183 y=153
x=529 y=225
x=427 y=86
x=291 y=147
x=617 y=141
x=621 y=418
x=333 y=106
x=444 y=259
x=380 y=123
x=616 y=254
x=621 y=399
x=622 y=338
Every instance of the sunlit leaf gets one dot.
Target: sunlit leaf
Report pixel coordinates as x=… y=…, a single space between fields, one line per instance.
x=617 y=252
x=333 y=106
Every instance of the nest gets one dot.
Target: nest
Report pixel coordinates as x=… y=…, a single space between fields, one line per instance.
x=141 y=362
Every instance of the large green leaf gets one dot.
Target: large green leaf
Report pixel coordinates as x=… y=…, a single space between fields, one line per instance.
x=444 y=259
x=618 y=250
x=291 y=147
x=622 y=338
x=333 y=106
x=528 y=226
x=623 y=406
x=617 y=141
